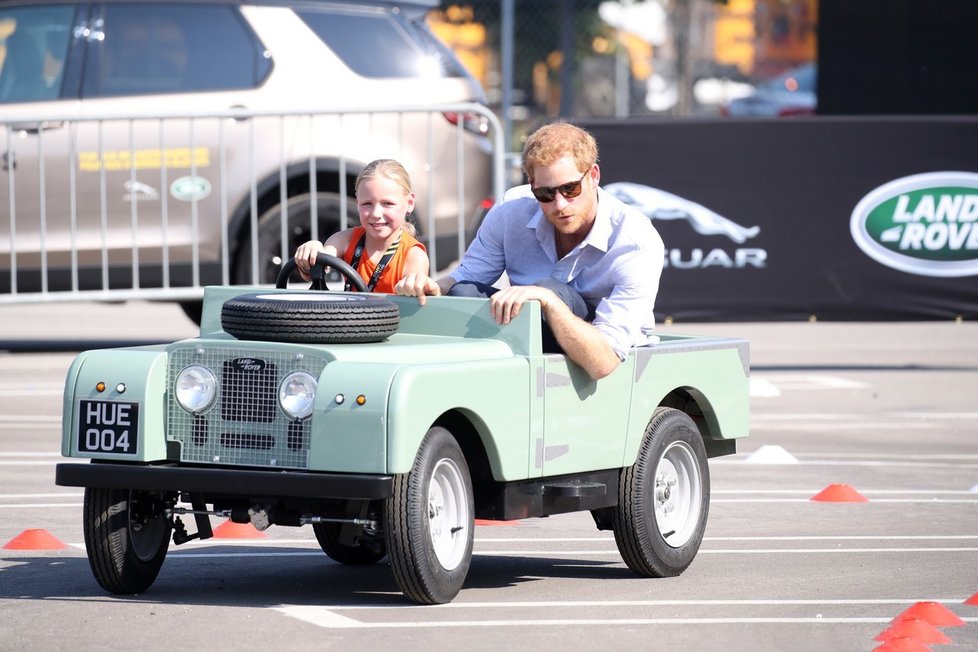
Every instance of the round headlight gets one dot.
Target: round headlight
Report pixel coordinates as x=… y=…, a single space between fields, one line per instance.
x=195 y=388
x=297 y=393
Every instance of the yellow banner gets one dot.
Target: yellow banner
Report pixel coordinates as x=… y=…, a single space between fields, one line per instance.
x=145 y=159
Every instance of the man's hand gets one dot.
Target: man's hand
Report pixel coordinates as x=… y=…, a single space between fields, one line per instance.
x=417 y=285
x=505 y=305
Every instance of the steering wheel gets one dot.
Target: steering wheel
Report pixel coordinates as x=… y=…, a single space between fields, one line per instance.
x=318 y=273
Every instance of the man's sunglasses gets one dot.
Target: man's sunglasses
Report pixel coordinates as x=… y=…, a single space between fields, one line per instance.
x=568 y=190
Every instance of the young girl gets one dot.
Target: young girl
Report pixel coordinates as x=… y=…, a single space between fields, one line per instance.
x=383 y=248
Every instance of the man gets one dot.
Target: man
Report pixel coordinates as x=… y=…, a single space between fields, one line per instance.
x=592 y=262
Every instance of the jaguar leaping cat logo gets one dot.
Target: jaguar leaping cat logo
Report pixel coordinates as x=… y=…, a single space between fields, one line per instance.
x=661 y=205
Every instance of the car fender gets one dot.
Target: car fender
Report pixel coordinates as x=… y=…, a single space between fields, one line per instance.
x=131 y=375
x=715 y=375
x=494 y=394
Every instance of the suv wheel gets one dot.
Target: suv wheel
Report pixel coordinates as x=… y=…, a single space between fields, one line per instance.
x=664 y=498
x=299 y=209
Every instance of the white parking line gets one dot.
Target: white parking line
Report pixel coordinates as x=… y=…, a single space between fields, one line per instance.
x=22 y=423
x=52 y=495
x=311 y=543
x=847 y=416
x=549 y=604
x=866 y=537
x=583 y=553
x=933 y=501
x=30 y=463
x=863 y=424
x=39 y=505
x=327 y=617
x=916 y=492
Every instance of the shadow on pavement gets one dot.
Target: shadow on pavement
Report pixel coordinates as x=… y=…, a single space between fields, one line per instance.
x=295 y=576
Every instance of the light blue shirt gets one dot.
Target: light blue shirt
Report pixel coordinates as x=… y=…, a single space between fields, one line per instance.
x=615 y=269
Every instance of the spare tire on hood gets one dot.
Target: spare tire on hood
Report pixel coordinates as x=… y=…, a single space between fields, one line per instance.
x=310 y=317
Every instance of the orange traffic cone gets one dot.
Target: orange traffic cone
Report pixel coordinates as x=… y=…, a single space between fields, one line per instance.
x=902 y=644
x=35 y=540
x=933 y=612
x=916 y=628
x=839 y=493
x=232 y=530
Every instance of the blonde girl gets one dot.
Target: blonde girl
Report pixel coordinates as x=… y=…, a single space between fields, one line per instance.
x=383 y=248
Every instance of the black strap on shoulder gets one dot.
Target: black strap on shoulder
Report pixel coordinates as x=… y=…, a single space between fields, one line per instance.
x=358 y=253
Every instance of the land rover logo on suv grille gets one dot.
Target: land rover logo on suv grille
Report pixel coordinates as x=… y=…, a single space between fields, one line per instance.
x=249 y=365
x=922 y=224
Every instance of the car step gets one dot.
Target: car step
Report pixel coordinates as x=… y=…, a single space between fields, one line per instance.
x=574 y=489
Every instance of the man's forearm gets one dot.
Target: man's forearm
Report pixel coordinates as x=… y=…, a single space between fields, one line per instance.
x=582 y=343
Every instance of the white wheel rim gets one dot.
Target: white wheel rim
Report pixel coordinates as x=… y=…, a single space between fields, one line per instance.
x=677 y=495
x=448 y=514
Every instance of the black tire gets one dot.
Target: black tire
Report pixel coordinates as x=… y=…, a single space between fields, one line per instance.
x=368 y=549
x=430 y=521
x=310 y=318
x=664 y=498
x=299 y=230
x=127 y=536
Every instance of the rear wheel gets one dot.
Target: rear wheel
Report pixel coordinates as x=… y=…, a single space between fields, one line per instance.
x=364 y=549
x=127 y=535
x=298 y=231
x=430 y=521
x=664 y=498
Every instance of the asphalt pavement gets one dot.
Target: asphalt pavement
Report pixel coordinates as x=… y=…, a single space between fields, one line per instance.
x=881 y=418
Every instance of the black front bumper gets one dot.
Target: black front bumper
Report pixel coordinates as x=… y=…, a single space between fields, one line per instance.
x=225 y=482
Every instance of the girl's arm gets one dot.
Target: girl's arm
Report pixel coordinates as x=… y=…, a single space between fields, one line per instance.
x=416 y=262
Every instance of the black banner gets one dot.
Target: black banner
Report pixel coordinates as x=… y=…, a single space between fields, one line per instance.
x=836 y=218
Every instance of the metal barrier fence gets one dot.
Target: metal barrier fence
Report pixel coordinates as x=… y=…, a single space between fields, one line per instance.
x=118 y=207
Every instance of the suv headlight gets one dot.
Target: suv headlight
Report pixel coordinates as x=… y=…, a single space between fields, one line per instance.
x=297 y=393
x=195 y=388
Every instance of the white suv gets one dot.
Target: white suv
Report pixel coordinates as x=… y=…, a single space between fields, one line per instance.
x=168 y=201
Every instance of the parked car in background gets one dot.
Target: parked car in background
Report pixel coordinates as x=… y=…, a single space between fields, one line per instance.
x=791 y=93
x=177 y=201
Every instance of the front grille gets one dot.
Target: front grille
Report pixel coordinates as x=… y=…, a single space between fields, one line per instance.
x=244 y=426
x=249 y=395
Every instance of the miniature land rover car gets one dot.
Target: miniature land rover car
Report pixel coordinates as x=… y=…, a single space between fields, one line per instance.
x=389 y=427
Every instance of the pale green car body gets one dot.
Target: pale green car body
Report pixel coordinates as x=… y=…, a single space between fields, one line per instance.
x=401 y=443
x=536 y=415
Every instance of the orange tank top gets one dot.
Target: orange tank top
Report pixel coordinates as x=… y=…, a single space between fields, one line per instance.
x=395 y=268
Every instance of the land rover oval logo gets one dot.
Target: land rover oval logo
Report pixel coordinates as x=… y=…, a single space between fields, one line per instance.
x=923 y=224
x=190 y=188
x=252 y=365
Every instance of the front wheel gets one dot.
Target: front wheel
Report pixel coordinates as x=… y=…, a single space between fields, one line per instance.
x=664 y=498
x=126 y=534
x=430 y=522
